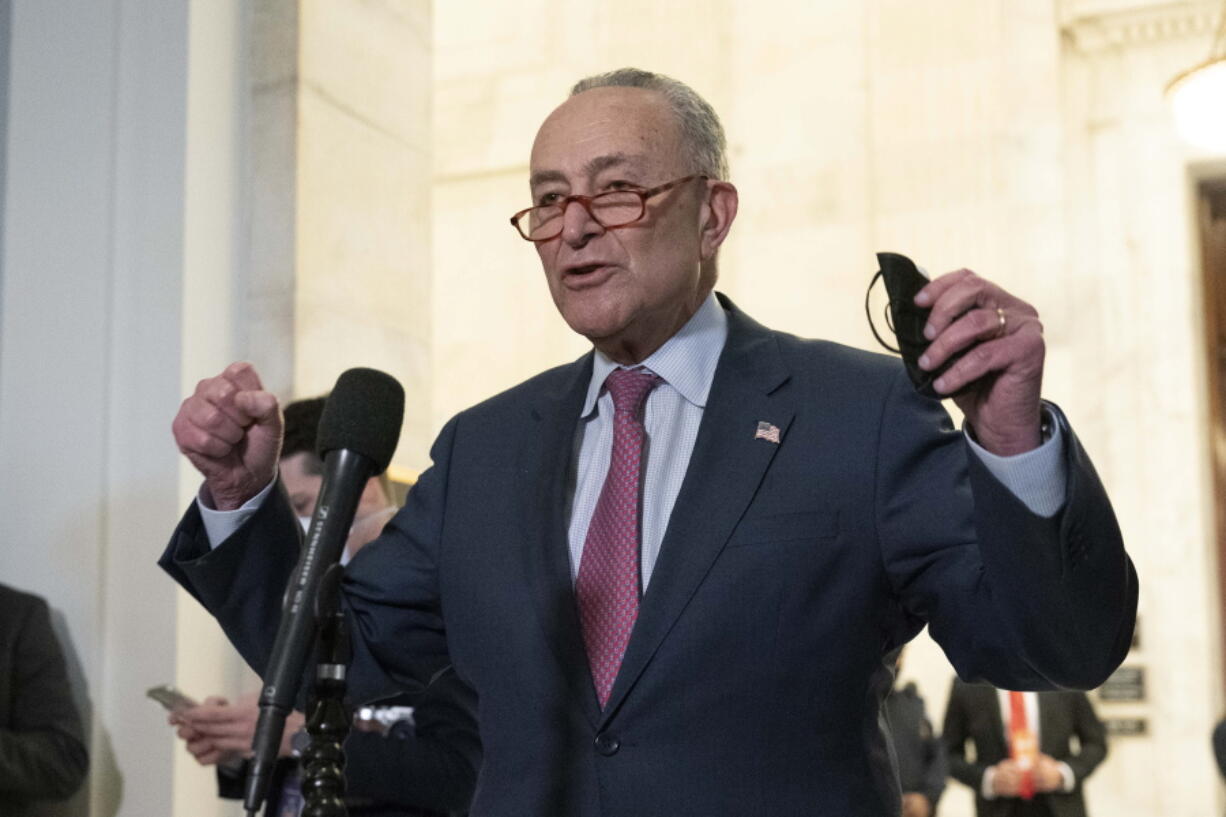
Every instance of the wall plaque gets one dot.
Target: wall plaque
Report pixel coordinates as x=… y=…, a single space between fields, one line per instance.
x=1126 y=727
x=1125 y=684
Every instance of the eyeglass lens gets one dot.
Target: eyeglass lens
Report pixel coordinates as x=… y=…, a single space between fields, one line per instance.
x=613 y=209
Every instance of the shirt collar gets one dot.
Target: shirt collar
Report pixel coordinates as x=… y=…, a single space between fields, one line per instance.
x=686 y=361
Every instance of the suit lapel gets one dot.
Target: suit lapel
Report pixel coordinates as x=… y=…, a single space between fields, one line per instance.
x=723 y=475
x=547 y=463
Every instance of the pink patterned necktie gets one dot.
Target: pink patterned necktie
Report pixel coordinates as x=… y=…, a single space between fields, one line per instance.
x=608 y=585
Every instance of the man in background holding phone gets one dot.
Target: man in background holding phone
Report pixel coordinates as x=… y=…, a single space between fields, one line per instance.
x=414 y=756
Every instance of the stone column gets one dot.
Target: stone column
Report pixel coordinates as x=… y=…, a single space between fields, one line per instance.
x=341 y=166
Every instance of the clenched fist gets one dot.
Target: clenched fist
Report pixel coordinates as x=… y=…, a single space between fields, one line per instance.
x=230 y=429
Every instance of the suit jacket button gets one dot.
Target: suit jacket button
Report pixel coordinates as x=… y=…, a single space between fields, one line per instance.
x=607 y=745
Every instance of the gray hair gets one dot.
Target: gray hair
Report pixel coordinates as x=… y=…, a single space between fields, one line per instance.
x=701 y=132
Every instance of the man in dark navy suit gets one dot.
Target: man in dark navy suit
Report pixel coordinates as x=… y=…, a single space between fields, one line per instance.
x=676 y=570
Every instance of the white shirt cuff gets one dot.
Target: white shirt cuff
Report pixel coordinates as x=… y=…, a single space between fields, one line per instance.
x=1038 y=478
x=985 y=787
x=219 y=525
x=1066 y=772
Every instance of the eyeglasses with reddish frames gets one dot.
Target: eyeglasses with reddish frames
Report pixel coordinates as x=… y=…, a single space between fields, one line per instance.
x=616 y=208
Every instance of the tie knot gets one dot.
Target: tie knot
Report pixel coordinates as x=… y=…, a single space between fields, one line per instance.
x=630 y=387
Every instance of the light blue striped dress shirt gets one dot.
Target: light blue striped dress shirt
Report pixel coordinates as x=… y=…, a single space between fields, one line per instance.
x=673 y=412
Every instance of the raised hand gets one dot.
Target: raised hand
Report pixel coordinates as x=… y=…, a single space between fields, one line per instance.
x=230 y=429
x=1003 y=365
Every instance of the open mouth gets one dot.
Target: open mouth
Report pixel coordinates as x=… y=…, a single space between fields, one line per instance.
x=585 y=269
x=586 y=276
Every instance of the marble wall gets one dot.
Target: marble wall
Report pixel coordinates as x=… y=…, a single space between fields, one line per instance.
x=1135 y=277
x=339 y=169
x=187 y=182
x=362 y=227
x=340 y=198
x=91 y=338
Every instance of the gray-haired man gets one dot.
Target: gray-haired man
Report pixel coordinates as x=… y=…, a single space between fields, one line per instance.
x=675 y=571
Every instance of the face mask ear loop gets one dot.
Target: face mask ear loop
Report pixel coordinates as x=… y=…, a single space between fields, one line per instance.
x=868 y=313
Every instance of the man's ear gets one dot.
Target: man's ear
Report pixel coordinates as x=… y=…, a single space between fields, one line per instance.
x=718 y=212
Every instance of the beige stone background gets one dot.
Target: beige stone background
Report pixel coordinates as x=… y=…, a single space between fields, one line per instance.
x=318 y=184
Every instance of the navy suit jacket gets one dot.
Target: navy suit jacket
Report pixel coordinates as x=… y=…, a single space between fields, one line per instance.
x=788 y=576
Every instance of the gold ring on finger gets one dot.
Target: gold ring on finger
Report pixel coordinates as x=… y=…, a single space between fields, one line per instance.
x=1000 y=316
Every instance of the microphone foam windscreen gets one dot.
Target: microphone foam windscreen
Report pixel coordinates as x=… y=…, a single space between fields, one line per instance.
x=363 y=413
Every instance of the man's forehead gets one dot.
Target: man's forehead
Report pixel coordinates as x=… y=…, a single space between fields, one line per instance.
x=619 y=160
x=602 y=128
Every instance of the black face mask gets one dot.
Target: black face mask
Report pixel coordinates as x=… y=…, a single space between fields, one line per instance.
x=902 y=281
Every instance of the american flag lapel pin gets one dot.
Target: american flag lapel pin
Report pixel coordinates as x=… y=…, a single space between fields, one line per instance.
x=767 y=431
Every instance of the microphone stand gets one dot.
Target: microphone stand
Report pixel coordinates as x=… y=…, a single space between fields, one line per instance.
x=328 y=718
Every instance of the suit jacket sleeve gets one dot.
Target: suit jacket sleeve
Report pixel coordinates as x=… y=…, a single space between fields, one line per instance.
x=1021 y=601
x=390 y=588
x=432 y=766
x=954 y=734
x=42 y=748
x=230 y=781
x=1092 y=736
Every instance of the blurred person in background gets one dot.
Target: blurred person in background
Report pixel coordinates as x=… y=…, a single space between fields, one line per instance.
x=1219 y=747
x=411 y=756
x=1033 y=750
x=920 y=753
x=42 y=742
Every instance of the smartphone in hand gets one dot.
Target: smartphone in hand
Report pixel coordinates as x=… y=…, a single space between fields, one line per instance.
x=171 y=697
x=175 y=700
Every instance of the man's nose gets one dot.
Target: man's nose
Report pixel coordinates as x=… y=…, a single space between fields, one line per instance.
x=578 y=224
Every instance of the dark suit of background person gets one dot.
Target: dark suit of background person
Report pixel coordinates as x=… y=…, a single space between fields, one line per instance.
x=1219 y=747
x=974 y=715
x=826 y=514
x=42 y=743
x=920 y=753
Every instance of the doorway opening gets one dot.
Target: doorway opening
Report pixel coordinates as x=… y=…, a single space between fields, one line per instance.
x=1211 y=223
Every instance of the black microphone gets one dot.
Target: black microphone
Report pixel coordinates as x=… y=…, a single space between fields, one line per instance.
x=357 y=436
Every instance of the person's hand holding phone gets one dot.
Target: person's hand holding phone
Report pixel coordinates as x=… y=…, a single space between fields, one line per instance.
x=217 y=730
